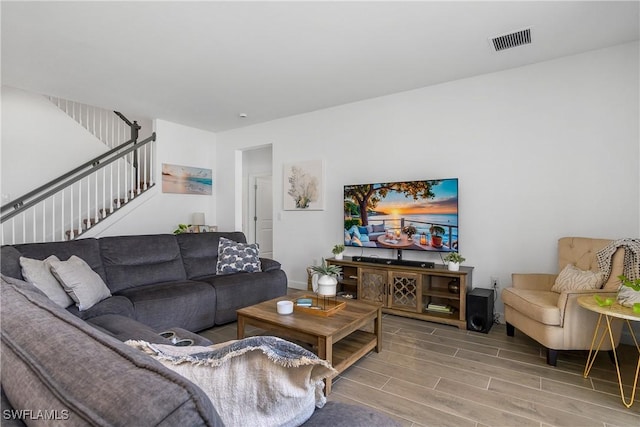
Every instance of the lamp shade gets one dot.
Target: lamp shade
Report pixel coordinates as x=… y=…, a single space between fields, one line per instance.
x=198 y=218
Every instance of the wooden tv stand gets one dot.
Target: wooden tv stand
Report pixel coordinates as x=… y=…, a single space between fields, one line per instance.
x=407 y=291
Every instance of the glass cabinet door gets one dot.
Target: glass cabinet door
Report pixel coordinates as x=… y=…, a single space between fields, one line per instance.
x=372 y=285
x=405 y=293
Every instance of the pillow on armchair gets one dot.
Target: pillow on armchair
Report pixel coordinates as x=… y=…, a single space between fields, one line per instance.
x=571 y=278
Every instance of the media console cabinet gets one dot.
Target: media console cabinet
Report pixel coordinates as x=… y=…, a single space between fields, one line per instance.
x=407 y=291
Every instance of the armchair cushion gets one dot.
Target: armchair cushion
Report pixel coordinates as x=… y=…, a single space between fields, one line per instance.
x=572 y=278
x=541 y=306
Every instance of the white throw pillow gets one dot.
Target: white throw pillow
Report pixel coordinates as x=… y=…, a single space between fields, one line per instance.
x=571 y=278
x=83 y=285
x=38 y=273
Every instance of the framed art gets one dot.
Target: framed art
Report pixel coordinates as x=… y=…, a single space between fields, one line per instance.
x=186 y=180
x=304 y=186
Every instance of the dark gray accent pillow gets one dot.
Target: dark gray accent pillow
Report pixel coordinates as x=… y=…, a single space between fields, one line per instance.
x=234 y=257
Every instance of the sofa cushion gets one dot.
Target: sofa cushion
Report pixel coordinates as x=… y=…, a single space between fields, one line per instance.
x=571 y=278
x=131 y=261
x=124 y=328
x=235 y=291
x=378 y=228
x=87 y=249
x=112 y=305
x=268 y=264
x=200 y=251
x=10 y=262
x=38 y=272
x=235 y=257
x=53 y=360
x=186 y=304
x=541 y=306
x=83 y=285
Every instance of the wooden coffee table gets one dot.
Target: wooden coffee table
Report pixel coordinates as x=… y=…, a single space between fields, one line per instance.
x=338 y=339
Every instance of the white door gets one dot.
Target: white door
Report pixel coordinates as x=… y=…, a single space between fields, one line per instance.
x=262 y=214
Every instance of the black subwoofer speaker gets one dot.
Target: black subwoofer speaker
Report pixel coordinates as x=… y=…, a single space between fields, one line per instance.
x=480 y=310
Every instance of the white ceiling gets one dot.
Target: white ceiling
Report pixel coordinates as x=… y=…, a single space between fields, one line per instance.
x=203 y=63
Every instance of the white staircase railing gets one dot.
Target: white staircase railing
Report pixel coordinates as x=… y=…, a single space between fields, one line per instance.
x=68 y=206
x=102 y=123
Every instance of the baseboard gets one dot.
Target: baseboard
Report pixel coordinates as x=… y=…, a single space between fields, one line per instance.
x=626 y=337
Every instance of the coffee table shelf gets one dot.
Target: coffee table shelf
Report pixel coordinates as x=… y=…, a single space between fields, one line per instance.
x=352 y=348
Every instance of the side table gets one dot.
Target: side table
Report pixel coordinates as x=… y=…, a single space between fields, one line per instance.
x=610 y=313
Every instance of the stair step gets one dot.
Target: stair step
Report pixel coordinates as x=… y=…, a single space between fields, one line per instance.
x=93 y=221
x=104 y=212
x=68 y=233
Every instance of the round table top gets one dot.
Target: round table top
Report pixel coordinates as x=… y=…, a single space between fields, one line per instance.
x=396 y=242
x=615 y=310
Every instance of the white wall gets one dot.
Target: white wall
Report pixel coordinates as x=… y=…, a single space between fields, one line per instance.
x=542 y=151
x=39 y=142
x=159 y=212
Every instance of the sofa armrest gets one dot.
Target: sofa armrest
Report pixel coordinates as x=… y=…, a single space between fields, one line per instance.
x=267 y=264
x=533 y=281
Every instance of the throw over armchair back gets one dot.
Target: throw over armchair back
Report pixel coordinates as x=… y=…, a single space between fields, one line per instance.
x=555 y=319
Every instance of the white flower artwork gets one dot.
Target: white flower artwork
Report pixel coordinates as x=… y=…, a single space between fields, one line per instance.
x=304 y=186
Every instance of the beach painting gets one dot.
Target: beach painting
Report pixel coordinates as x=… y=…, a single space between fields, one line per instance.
x=186 y=180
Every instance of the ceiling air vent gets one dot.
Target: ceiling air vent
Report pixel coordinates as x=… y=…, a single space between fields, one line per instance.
x=507 y=41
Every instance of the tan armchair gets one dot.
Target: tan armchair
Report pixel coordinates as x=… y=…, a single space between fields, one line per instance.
x=554 y=319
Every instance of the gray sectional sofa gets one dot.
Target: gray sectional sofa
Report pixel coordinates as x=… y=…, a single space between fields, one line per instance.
x=59 y=370
x=158 y=282
x=62 y=366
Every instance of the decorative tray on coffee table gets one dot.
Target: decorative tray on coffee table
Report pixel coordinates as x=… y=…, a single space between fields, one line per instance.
x=320 y=306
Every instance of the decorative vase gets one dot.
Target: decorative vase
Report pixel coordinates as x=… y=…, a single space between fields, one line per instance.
x=453 y=266
x=339 y=256
x=454 y=286
x=325 y=286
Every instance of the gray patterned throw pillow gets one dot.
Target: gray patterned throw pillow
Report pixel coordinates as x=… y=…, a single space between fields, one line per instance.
x=234 y=257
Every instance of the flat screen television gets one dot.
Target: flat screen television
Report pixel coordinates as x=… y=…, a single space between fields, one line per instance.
x=406 y=215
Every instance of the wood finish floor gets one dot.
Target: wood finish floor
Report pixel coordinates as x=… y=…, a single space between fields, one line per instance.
x=436 y=375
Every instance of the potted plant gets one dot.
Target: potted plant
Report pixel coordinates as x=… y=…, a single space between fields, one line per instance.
x=629 y=298
x=325 y=278
x=409 y=230
x=337 y=251
x=182 y=228
x=453 y=260
x=436 y=235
